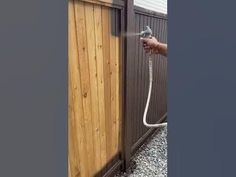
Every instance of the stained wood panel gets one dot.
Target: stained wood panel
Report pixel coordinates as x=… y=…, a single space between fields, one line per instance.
x=94 y=87
x=138 y=71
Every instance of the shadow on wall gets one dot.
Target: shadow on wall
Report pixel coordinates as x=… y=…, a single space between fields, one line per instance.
x=111 y=168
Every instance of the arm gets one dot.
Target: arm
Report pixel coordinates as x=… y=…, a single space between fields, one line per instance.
x=162 y=49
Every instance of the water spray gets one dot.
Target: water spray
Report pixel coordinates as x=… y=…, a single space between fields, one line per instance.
x=147 y=33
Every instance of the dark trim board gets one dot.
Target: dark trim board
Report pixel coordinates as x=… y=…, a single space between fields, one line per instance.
x=114 y=169
x=123 y=87
x=111 y=168
x=119 y=4
x=145 y=137
x=129 y=52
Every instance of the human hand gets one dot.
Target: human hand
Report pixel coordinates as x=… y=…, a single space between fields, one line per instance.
x=150 y=45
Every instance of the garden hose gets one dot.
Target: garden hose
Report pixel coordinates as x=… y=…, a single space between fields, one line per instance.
x=146 y=34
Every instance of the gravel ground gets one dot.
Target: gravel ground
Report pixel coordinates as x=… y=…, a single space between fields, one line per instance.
x=151 y=159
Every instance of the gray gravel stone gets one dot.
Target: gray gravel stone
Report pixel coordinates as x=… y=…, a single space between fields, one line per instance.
x=151 y=159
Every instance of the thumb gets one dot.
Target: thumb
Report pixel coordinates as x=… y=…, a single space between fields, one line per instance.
x=143 y=39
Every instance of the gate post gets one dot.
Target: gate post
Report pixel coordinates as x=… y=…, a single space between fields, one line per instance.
x=128 y=57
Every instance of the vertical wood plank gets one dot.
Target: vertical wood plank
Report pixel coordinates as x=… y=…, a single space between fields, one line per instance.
x=153 y=106
x=92 y=60
x=85 y=82
x=165 y=72
x=136 y=128
x=69 y=170
x=106 y=67
x=156 y=26
x=112 y=78
x=117 y=85
x=142 y=81
x=77 y=141
x=72 y=158
x=122 y=82
x=146 y=77
x=162 y=72
x=100 y=76
x=159 y=73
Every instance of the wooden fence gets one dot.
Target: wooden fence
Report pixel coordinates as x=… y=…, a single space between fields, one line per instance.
x=105 y=125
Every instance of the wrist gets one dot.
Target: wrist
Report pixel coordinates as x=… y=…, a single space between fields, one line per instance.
x=157 y=47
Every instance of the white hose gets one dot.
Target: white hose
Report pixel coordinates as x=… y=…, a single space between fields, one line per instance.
x=148 y=99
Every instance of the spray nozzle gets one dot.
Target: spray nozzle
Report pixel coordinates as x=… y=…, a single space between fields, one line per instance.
x=146 y=33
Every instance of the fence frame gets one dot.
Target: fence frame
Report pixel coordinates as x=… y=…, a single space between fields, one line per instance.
x=121 y=161
x=128 y=148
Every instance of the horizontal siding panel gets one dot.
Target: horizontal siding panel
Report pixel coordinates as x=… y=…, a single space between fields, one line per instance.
x=154 y=5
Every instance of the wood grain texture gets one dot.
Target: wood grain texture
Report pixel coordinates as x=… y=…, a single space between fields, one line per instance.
x=85 y=81
x=77 y=141
x=113 y=81
x=106 y=64
x=94 y=87
x=117 y=82
x=90 y=35
x=100 y=76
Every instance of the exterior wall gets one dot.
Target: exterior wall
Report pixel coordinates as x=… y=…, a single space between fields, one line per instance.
x=154 y=5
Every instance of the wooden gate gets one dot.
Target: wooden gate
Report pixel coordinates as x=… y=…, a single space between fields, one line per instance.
x=94 y=86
